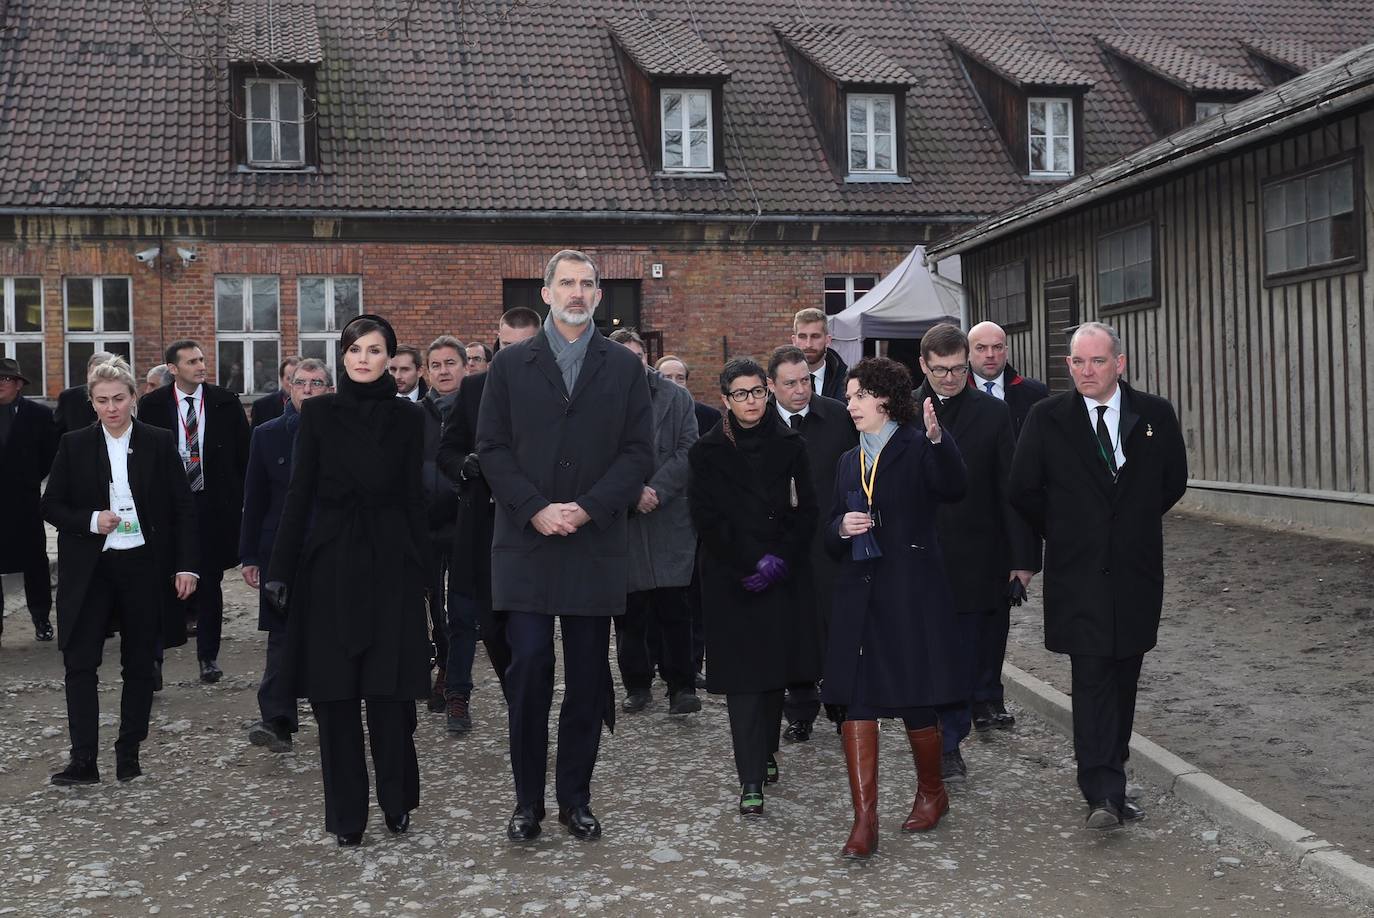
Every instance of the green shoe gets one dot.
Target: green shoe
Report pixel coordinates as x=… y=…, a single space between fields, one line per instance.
x=771 y=776
x=751 y=800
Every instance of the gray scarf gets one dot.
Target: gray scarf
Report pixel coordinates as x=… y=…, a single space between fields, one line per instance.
x=569 y=355
x=872 y=443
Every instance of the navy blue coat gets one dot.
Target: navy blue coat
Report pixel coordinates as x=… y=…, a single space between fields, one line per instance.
x=264 y=496
x=895 y=632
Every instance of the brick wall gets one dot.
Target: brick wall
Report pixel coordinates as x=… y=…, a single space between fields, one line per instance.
x=711 y=299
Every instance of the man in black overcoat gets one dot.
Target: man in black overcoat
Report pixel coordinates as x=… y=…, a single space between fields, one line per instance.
x=993 y=376
x=469 y=574
x=565 y=440
x=28 y=441
x=273 y=404
x=212 y=437
x=829 y=433
x=985 y=542
x=1095 y=471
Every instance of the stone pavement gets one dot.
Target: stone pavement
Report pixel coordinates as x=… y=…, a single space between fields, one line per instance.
x=219 y=827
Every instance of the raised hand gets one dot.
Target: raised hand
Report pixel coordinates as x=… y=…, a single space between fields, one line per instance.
x=932 y=422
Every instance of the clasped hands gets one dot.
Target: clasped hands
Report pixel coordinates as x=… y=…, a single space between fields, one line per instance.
x=769 y=570
x=560 y=519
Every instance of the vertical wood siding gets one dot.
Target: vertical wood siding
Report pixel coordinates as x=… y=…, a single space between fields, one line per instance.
x=1270 y=382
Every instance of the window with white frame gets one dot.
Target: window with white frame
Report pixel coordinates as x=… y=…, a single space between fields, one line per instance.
x=688 y=134
x=1007 y=294
x=1050 y=125
x=21 y=329
x=1311 y=222
x=841 y=290
x=99 y=317
x=1125 y=266
x=247 y=332
x=326 y=305
x=1204 y=110
x=275 y=123
x=872 y=133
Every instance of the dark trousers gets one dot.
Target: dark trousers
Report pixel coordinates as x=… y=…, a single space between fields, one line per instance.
x=37 y=591
x=276 y=699
x=1103 y=717
x=990 y=648
x=755 y=719
x=436 y=594
x=802 y=703
x=391 y=734
x=667 y=608
x=127 y=581
x=207 y=602
x=498 y=648
x=462 y=645
x=529 y=691
x=698 y=619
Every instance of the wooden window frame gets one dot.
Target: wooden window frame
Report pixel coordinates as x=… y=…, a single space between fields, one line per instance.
x=10 y=339
x=247 y=335
x=329 y=334
x=1352 y=264
x=850 y=97
x=685 y=92
x=97 y=334
x=1021 y=266
x=850 y=295
x=1149 y=301
x=1050 y=135
x=240 y=75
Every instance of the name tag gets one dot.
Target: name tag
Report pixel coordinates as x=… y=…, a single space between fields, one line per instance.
x=128 y=517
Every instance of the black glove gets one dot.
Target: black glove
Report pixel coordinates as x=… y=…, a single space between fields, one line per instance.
x=1016 y=591
x=472 y=468
x=275 y=591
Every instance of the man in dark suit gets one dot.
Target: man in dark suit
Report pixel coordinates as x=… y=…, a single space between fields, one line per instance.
x=986 y=544
x=565 y=440
x=273 y=404
x=264 y=496
x=829 y=433
x=1095 y=471
x=994 y=376
x=28 y=441
x=811 y=333
x=74 y=410
x=469 y=575
x=212 y=438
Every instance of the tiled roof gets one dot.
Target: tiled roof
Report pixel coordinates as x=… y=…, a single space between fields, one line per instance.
x=1183 y=68
x=666 y=47
x=847 y=56
x=1317 y=95
x=522 y=109
x=275 y=33
x=1292 y=53
x=1016 y=61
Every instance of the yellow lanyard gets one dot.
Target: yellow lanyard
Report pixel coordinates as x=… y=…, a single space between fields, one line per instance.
x=865 y=478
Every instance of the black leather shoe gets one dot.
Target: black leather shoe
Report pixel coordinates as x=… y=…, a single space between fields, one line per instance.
x=1103 y=816
x=580 y=822
x=398 y=825
x=157 y=675
x=684 y=702
x=126 y=766
x=1131 y=811
x=210 y=672
x=772 y=775
x=42 y=631
x=751 y=800
x=635 y=702
x=983 y=718
x=82 y=771
x=524 y=823
x=274 y=735
x=1001 y=718
x=952 y=767
x=349 y=839
x=799 y=731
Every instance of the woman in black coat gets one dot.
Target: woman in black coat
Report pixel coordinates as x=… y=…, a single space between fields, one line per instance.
x=349 y=569
x=754 y=507
x=896 y=647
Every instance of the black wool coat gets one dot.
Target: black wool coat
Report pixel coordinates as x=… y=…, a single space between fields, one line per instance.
x=982 y=537
x=79 y=485
x=469 y=572
x=1104 y=540
x=264 y=498
x=352 y=550
x=1021 y=393
x=540 y=444
x=74 y=410
x=25 y=457
x=224 y=457
x=896 y=637
x=268 y=407
x=755 y=642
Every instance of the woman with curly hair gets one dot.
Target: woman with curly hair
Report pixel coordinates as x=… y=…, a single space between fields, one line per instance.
x=894 y=649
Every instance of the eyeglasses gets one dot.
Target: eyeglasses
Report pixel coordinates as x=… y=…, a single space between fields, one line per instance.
x=942 y=372
x=740 y=395
x=309 y=383
x=9 y=379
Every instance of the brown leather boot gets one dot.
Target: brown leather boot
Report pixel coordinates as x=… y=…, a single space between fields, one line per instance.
x=931 y=799
x=860 y=738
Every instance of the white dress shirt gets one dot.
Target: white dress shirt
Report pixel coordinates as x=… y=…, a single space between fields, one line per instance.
x=787 y=415
x=128 y=534
x=199 y=405
x=413 y=394
x=1113 y=421
x=998 y=389
x=819 y=377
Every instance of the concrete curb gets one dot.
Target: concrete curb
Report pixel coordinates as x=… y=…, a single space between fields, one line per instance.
x=1220 y=801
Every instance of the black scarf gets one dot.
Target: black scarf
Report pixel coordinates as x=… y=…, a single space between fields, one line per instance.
x=750 y=441
x=372 y=402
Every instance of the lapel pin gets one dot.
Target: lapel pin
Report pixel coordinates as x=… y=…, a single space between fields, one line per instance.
x=1149 y=431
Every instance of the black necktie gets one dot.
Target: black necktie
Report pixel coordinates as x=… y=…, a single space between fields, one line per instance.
x=195 y=475
x=813 y=384
x=795 y=422
x=1104 y=440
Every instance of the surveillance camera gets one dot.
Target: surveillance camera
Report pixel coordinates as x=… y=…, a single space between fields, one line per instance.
x=148 y=256
x=187 y=255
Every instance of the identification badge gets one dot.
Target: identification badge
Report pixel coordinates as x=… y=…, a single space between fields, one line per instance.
x=128 y=517
x=876 y=516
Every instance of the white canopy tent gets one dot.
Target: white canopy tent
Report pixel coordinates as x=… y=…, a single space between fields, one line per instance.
x=904 y=304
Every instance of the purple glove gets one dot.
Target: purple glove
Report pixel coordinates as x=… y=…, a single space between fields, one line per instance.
x=773 y=568
x=755 y=583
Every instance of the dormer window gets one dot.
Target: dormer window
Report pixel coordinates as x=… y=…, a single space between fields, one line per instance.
x=275 y=123
x=1205 y=110
x=1174 y=86
x=872 y=135
x=1050 y=137
x=687 y=130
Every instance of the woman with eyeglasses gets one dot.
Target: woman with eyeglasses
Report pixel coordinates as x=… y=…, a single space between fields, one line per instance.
x=754 y=508
x=893 y=626
x=349 y=572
